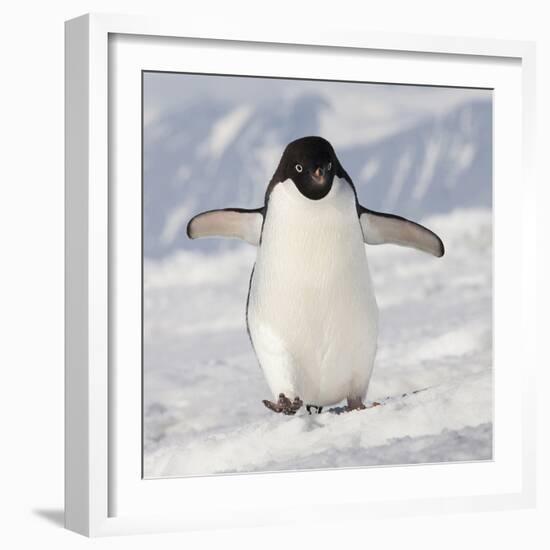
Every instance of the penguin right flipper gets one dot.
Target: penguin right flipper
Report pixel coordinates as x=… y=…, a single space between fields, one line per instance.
x=232 y=223
x=380 y=228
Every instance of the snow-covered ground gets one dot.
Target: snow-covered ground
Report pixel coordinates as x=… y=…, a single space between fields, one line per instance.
x=203 y=387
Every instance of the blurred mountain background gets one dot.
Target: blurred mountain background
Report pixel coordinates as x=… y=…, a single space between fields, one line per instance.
x=214 y=142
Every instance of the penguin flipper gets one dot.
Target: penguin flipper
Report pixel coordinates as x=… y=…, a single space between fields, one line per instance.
x=380 y=228
x=232 y=223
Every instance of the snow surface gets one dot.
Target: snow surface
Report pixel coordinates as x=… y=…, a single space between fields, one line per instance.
x=203 y=387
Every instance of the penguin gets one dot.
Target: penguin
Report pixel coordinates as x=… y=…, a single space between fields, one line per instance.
x=311 y=312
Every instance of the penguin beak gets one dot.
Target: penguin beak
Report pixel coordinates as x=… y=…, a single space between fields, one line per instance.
x=319 y=175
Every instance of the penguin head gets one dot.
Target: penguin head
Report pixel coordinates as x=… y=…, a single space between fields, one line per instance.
x=311 y=163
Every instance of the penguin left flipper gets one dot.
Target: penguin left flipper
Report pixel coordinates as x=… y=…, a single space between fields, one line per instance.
x=233 y=223
x=380 y=228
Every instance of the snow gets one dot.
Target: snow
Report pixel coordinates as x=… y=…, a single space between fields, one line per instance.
x=225 y=130
x=203 y=387
x=369 y=170
x=403 y=167
x=431 y=156
x=175 y=222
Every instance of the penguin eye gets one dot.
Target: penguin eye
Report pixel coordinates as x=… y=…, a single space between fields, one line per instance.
x=298 y=168
x=329 y=166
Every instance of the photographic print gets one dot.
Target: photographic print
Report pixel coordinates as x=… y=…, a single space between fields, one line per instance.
x=317 y=274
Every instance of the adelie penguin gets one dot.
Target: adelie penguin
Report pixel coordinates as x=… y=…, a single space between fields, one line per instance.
x=311 y=311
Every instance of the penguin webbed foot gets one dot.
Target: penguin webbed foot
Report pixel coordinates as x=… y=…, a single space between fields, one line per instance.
x=354 y=404
x=284 y=405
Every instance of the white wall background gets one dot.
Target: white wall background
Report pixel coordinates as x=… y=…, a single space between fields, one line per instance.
x=31 y=274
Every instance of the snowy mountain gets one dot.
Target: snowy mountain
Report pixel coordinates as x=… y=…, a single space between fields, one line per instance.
x=208 y=155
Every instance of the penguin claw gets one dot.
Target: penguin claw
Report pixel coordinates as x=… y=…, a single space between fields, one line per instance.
x=284 y=405
x=354 y=404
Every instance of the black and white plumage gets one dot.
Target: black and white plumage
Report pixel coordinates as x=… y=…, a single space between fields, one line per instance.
x=311 y=310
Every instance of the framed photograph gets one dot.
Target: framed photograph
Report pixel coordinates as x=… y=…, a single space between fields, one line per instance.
x=297 y=275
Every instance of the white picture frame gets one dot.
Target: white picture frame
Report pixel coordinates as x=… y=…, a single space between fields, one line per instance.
x=104 y=494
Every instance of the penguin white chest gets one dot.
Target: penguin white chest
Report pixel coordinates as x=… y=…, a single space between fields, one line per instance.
x=312 y=314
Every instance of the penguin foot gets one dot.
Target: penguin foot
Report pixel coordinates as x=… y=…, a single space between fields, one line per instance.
x=284 y=405
x=356 y=404
x=318 y=409
x=361 y=407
